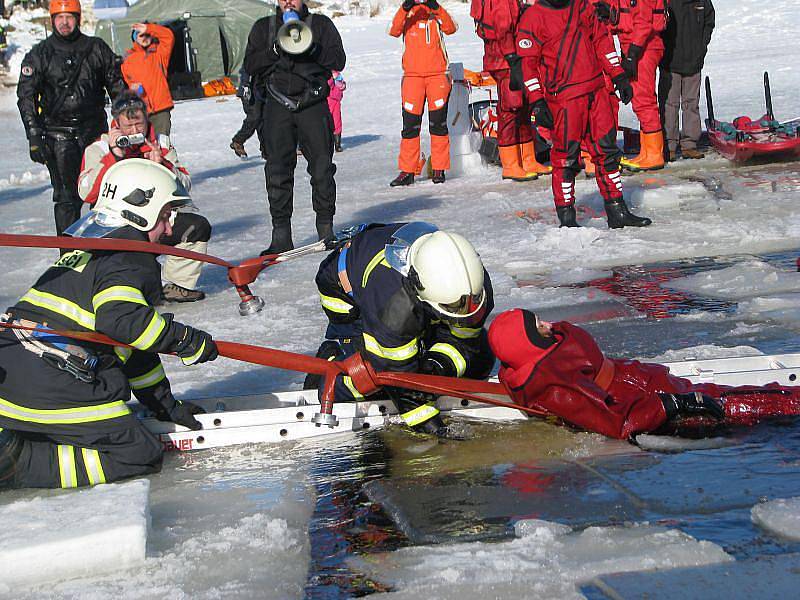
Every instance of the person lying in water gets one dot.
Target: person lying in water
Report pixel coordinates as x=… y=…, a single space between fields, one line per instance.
x=559 y=368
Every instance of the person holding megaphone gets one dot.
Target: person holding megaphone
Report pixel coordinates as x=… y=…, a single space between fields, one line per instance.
x=290 y=56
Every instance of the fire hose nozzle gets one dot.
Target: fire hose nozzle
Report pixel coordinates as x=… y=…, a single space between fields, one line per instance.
x=320 y=419
x=252 y=306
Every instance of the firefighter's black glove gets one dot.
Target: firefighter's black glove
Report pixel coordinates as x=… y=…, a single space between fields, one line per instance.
x=183 y=414
x=605 y=13
x=624 y=88
x=544 y=118
x=693 y=404
x=432 y=4
x=516 y=82
x=37 y=151
x=630 y=61
x=196 y=346
x=431 y=366
x=408 y=5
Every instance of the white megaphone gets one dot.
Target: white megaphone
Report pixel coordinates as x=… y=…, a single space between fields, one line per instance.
x=294 y=36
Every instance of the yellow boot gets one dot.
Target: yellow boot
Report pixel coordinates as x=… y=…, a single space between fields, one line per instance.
x=652 y=155
x=512 y=165
x=528 y=153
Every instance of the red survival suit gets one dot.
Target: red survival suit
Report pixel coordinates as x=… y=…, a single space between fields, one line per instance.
x=496 y=24
x=615 y=397
x=565 y=52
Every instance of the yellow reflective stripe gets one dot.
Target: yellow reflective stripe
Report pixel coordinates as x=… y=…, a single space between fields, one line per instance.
x=453 y=354
x=400 y=353
x=465 y=333
x=336 y=305
x=190 y=360
x=123 y=354
x=348 y=382
x=83 y=414
x=150 y=333
x=379 y=258
x=66 y=466
x=118 y=293
x=149 y=379
x=60 y=305
x=420 y=414
x=94 y=469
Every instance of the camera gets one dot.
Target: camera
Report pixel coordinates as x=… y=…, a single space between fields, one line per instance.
x=126 y=141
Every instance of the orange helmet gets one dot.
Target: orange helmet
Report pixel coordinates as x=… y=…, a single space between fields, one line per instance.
x=62 y=6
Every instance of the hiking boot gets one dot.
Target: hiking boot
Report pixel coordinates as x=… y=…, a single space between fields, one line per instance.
x=238 y=148
x=337 y=142
x=566 y=216
x=620 y=216
x=438 y=176
x=172 y=292
x=281 y=240
x=402 y=179
x=692 y=153
x=10 y=449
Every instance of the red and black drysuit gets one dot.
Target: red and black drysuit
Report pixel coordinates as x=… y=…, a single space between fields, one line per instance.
x=619 y=398
x=374 y=309
x=565 y=52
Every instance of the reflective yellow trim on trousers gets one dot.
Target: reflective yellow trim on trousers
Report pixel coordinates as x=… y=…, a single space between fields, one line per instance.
x=118 y=293
x=64 y=416
x=348 y=382
x=61 y=306
x=379 y=258
x=94 y=469
x=420 y=414
x=150 y=333
x=399 y=353
x=149 y=379
x=123 y=354
x=66 y=466
x=450 y=351
x=464 y=333
x=336 y=305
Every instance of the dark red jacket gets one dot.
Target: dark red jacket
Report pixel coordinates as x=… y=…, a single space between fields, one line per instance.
x=498 y=22
x=564 y=51
x=615 y=397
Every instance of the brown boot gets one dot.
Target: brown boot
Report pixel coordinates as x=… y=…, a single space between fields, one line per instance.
x=512 y=165
x=172 y=292
x=652 y=156
x=692 y=153
x=527 y=152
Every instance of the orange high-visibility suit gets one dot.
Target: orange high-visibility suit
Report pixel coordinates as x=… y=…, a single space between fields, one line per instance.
x=145 y=69
x=424 y=76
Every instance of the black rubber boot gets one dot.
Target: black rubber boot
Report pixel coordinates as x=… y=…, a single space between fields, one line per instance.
x=337 y=142
x=692 y=404
x=433 y=426
x=619 y=216
x=566 y=216
x=438 y=176
x=281 y=239
x=10 y=449
x=325 y=230
x=402 y=179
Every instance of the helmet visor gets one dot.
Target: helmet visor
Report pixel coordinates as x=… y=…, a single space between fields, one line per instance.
x=398 y=249
x=466 y=311
x=95 y=225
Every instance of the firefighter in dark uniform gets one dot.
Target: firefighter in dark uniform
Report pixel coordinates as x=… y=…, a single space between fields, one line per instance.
x=61 y=98
x=62 y=402
x=410 y=298
x=293 y=88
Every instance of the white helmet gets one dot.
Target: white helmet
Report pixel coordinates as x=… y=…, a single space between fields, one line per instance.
x=448 y=275
x=133 y=192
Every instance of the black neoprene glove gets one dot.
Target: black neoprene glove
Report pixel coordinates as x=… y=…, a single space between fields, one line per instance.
x=37 y=150
x=183 y=414
x=196 y=346
x=605 y=14
x=630 y=61
x=408 y=5
x=516 y=82
x=432 y=4
x=693 y=404
x=544 y=118
x=431 y=366
x=623 y=87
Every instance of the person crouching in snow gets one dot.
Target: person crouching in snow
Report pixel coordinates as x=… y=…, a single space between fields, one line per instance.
x=565 y=49
x=337 y=85
x=63 y=418
x=558 y=368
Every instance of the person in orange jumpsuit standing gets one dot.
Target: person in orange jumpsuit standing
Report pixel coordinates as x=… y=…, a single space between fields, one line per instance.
x=145 y=72
x=425 y=64
x=497 y=27
x=638 y=24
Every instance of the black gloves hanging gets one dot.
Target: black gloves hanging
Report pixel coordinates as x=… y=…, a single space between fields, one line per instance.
x=37 y=148
x=630 y=61
x=517 y=81
x=544 y=118
x=623 y=87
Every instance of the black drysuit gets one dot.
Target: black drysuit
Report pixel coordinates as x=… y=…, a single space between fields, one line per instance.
x=70 y=117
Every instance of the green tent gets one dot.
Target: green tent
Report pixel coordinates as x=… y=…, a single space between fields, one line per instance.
x=218 y=31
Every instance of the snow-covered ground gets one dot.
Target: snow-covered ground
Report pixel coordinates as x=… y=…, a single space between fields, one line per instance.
x=236 y=522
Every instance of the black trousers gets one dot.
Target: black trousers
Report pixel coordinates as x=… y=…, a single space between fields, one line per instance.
x=282 y=132
x=64 y=156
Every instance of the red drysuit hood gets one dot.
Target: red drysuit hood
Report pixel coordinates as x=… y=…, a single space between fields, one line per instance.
x=517 y=343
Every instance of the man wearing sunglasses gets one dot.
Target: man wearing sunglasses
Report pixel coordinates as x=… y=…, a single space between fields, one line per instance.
x=409 y=297
x=133 y=136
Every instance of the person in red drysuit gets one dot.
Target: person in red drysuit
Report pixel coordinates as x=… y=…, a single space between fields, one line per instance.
x=496 y=25
x=565 y=50
x=558 y=368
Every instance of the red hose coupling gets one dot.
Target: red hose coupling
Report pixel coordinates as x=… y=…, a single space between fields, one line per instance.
x=361 y=372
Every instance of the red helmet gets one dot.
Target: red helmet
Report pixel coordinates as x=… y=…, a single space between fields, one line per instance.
x=65 y=6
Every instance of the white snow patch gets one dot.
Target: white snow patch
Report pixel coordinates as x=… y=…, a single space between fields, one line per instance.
x=781 y=517
x=743 y=280
x=74 y=534
x=668 y=196
x=665 y=443
x=705 y=351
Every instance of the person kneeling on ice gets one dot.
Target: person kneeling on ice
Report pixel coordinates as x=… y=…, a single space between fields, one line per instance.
x=565 y=50
x=410 y=298
x=62 y=401
x=559 y=369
